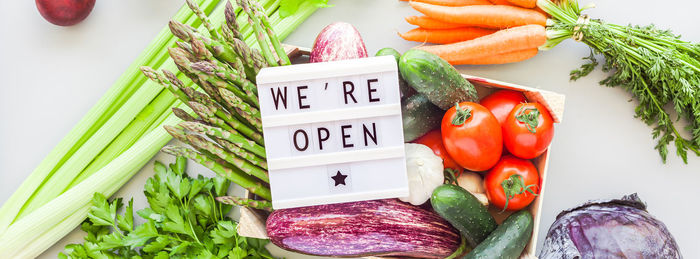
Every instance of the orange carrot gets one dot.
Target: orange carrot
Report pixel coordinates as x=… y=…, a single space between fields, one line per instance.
x=490 y=16
x=524 y=3
x=445 y=36
x=453 y=2
x=430 y=23
x=503 y=58
x=500 y=2
x=504 y=41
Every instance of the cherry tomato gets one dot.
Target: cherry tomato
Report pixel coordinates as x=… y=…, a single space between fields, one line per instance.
x=512 y=183
x=472 y=136
x=502 y=102
x=433 y=140
x=528 y=130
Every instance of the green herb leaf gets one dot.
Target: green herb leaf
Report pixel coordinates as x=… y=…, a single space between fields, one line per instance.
x=182 y=221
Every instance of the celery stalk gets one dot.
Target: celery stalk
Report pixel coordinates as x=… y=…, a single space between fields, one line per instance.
x=47 y=239
x=59 y=180
x=106 y=181
x=130 y=135
x=85 y=126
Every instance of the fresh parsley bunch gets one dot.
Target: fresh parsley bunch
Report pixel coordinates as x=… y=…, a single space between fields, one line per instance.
x=183 y=220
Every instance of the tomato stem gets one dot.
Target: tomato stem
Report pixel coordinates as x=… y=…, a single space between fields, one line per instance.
x=461 y=115
x=450 y=176
x=515 y=185
x=530 y=117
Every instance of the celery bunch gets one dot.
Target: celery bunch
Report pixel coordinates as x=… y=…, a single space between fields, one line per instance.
x=111 y=143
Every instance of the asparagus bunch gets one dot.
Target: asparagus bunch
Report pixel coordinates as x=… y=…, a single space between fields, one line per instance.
x=223 y=128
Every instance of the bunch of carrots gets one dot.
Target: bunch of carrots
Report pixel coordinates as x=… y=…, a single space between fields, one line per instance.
x=479 y=32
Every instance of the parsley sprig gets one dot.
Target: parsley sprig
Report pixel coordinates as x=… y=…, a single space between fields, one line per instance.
x=658 y=68
x=183 y=220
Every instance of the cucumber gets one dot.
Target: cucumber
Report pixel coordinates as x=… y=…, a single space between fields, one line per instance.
x=433 y=77
x=464 y=212
x=389 y=52
x=419 y=117
x=508 y=240
x=405 y=90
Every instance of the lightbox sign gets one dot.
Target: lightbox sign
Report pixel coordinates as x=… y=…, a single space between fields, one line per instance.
x=333 y=132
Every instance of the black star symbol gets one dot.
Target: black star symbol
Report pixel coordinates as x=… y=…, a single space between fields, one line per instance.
x=339 y=178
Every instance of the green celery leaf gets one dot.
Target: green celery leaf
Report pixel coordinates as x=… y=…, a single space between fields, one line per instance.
x=203 y=204
x=220 y=185
x=175 y=223
x=162 y=255
x=148 y=213
x=237 y=252
x=158 y=244
x=102 y=213
x=141 y=235
x=159 y=167
x=181 y=248
x=111 y=241
x=126 y=221
x=197 y=185
x=184 y=188
x=289 y=7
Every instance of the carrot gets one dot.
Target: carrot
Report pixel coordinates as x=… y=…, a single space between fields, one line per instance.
x=524 y=3
x=430 y=23
x=500 y=2
x=503 y=41
x=503 y=58
x=490 y=16
x=445 y=36
x=453 y=2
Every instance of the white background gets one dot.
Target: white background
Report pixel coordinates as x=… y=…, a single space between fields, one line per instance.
x=51 y=76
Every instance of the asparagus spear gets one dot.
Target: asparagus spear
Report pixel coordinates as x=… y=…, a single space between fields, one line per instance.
x=259 y=34
x=245 y=154
x=251 y=114
x=250 y=90
x=208 y=115
x=281 y=54
x=234 y=138
x=158 y=78
x=178 y=55
x=219 y=111
x=231 y=174
x=201 y=143
x=203 y=17
x=250 y=203
x=232 y=25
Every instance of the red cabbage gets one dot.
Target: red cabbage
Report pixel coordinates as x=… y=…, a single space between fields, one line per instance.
x=609 y=229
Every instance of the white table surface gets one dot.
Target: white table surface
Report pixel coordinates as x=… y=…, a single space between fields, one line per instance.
x=51 y=76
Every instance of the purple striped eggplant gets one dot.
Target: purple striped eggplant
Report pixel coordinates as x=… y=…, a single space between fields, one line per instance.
x=366 y=228
x=338 y=41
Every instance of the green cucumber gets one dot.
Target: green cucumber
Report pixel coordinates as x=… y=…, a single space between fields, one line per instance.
x=433 y=77
x=389 y=52
x=464 y=212
x=405 y=90
x=508 y=240
x=419 y=117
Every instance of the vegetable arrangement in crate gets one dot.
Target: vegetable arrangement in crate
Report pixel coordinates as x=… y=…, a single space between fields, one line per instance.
x=447 y=196
x=657 y=67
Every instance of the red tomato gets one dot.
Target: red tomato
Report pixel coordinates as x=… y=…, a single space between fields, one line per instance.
x=528 y=130
x=433 y=140
x=512 y=184
x=502 y=102
x=472 y=136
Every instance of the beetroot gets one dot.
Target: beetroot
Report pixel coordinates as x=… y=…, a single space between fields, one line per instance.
x=338 y=41
x=65 y=12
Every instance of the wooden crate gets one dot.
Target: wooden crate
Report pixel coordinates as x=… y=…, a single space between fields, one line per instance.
x=252 y=222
